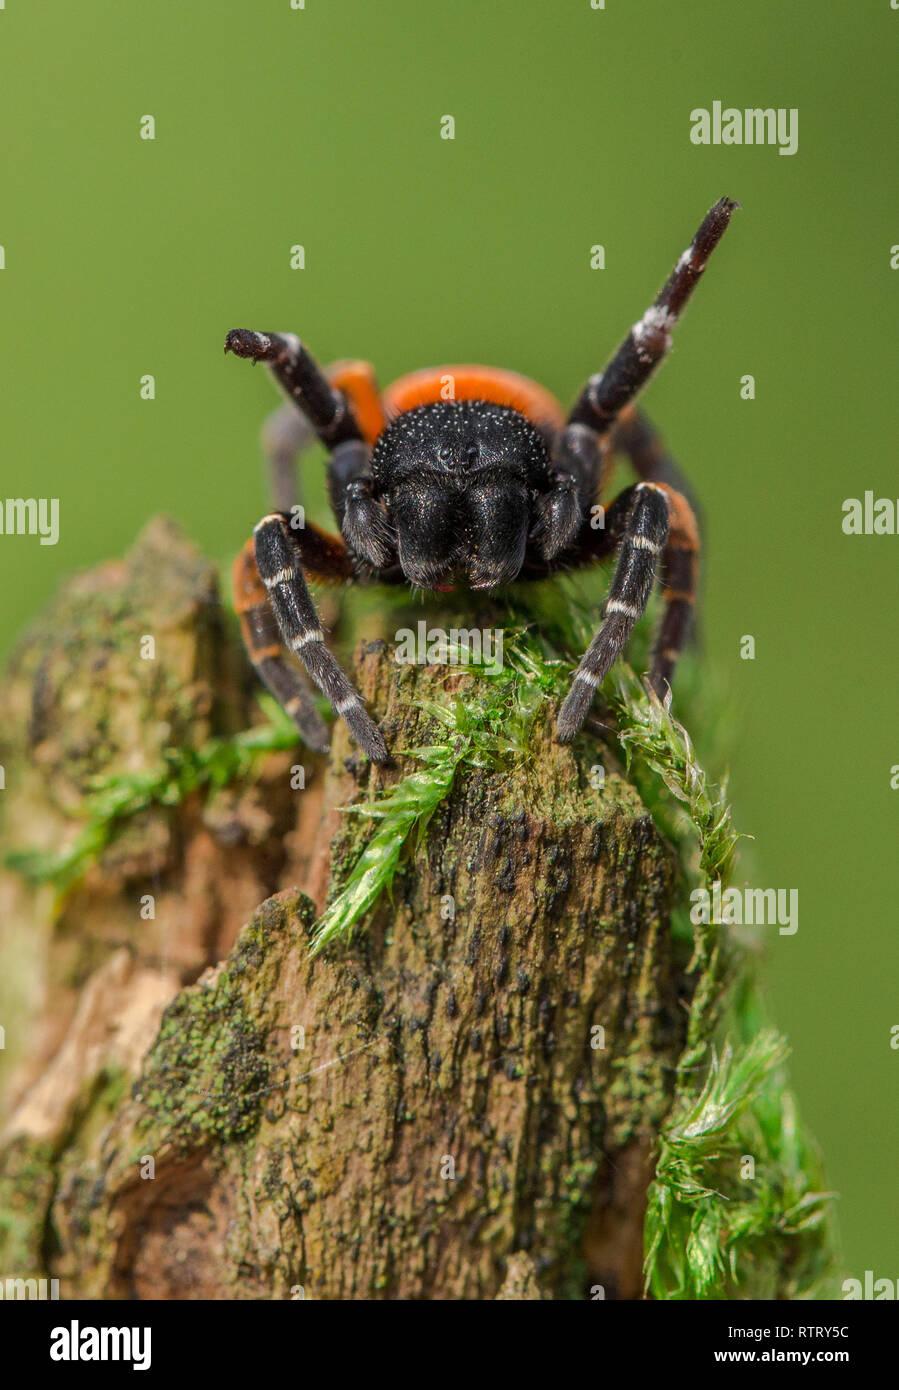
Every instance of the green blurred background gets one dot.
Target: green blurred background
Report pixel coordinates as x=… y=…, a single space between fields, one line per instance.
x=320 y=126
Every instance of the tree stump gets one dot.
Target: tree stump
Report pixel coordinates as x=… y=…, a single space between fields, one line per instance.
x=461 y=1101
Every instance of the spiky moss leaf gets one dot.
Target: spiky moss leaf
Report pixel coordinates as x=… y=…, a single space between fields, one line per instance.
x=112 y=801
x=713 y=1233
x=479 y=732
x=648 y=729
x=410 y=806
x=732 y=1082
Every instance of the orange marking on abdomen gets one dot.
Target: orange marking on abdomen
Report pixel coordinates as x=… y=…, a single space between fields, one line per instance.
x=357 y=381
x=473 y=383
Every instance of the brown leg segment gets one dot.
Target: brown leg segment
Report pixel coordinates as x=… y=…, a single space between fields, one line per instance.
x=680 y=566
x=636 y=436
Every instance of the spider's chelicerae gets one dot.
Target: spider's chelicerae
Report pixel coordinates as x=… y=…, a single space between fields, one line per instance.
x=493 y=485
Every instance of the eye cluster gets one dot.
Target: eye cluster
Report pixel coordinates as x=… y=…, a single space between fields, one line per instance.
x=466 y=454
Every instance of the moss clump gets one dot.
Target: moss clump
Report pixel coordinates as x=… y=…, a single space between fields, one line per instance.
x=205 y=1076
x=27 y=1183
x=113 y=803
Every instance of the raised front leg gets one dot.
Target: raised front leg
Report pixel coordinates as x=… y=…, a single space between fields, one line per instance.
x=646 y=344
x=326 y=401
x=302 y=379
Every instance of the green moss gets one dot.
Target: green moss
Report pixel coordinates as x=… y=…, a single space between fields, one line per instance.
x=114 y=802
x=208 y=1075
x=711 y=1233
x=205 y=1075
x=27 y=1184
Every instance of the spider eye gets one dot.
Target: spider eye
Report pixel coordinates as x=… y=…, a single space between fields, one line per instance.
x=469 y=454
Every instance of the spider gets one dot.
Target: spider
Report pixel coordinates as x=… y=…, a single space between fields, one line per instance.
x=488 y=486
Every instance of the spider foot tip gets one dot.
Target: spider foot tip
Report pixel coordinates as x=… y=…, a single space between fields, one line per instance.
x=243 y=342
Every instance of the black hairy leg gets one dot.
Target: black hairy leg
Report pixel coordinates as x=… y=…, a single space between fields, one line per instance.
x=637 y=522
x=262 y=640
x=282 y=555
x=302 y=379
x=679 y=569
x=607 y=393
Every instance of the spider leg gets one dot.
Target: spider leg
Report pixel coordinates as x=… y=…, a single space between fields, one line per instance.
x=574 y=483
x=607 y=393
x=282 y=555
x=360 y=515
x=636 y=436
x=680 y=563
x=263 y=643
x=285 y=434
x=302 y=380
x=637 y=522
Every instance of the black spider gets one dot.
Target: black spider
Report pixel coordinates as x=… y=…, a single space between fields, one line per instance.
x=487 y=486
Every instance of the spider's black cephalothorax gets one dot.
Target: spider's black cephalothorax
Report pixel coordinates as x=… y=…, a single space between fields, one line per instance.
x=458 y=480
x=490 y=485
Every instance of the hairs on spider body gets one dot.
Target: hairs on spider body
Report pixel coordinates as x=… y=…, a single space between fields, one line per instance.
x=493 y=485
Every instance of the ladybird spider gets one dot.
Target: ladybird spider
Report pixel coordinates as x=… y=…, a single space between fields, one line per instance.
x=488 y=487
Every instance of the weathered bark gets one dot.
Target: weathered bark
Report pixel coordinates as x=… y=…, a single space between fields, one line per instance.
x=427 y=1111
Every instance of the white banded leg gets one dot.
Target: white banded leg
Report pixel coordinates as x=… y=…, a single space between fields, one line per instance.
x=644 y=533
x=609 y=391
x=279 y=561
